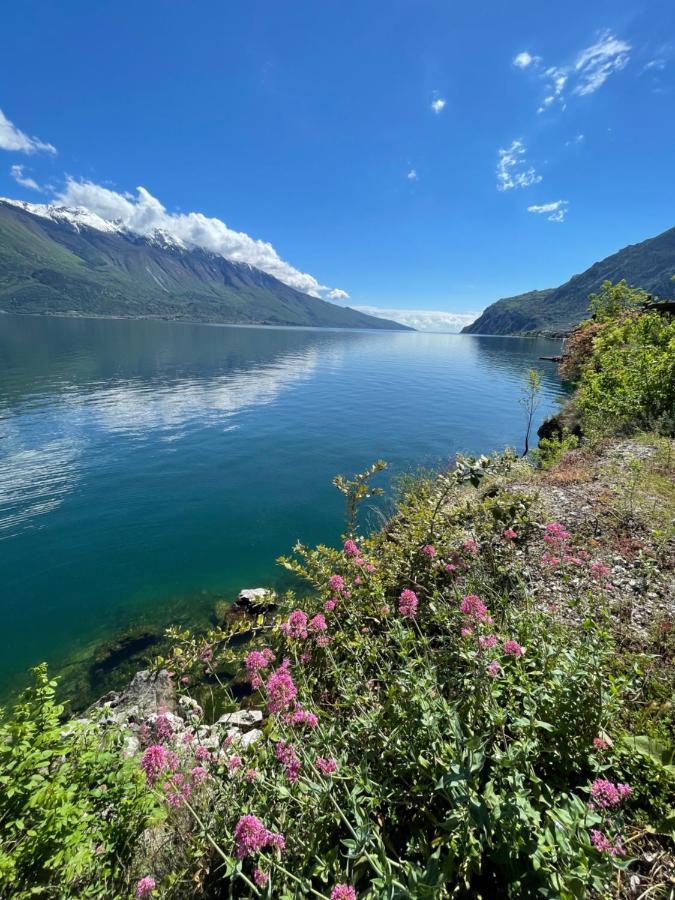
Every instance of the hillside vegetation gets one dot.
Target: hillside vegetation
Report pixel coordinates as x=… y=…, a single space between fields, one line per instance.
x=649 y=265
x=52 y=268
x=475 y=701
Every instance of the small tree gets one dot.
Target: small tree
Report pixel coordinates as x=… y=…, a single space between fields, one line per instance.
x=530 y=400
x=615 y=299
x=357 y=489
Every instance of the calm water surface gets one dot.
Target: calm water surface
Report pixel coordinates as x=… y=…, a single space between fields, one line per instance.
x=147 y=468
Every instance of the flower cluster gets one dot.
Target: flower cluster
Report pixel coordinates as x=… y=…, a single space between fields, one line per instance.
x=251 y=836
x=473 y=608
x=296 y=626
x=407 y=604
x=429 y=550
x=326 y=765
x=281 y=689
x=287 y=756
x=604 y=845
x=157 y=760
x=343 y=892
x=256 y=662
x=145 y=887
x=605 y=794
x=513 y=648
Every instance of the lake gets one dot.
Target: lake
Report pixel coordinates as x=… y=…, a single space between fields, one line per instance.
x=148 y=469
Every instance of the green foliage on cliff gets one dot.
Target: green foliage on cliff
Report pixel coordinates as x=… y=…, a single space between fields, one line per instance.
x=623 y=363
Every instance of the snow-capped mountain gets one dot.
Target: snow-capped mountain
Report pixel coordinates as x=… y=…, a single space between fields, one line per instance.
x=70 y=261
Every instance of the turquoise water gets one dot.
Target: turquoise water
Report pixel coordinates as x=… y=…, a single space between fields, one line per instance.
x=147 y=468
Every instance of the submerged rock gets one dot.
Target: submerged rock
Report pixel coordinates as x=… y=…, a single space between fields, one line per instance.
x=256 y=599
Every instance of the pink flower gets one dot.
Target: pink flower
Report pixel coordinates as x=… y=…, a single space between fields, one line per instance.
x=384 y=611
x=606 y=794
x=370 y=568
x=198 y=774
x=163 y=728
x=296 y=626
x=474 y=607
x=250 y=775
x=330 y=604
x=471 y=547
x=466 y=631
x=429 y=550
x=604 y=845
x=305 y=658
x=336 y=583
x=260 y=878
x=487 y=642
x=509 y=534
x=350 y=549
x=358 y=581
x=450 y=568
x=145 y=887
x=513 y=648
x=407 y=604
x=549 y=560
x=156 y=760
x=202 y=753
x=326 y=765
x=322 y=641
x=556 y=534
x=287 y=756
x=256 y=662
x=494 y=669
x=600 y=743
x=250 y=836
x=599 y=571
x=303 y=717
x=318 y=623
x=177 y=789
x=233 y=763
x=281 y=690
x=343 y=892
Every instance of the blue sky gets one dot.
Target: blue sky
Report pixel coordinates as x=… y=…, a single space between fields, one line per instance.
x=406 y=153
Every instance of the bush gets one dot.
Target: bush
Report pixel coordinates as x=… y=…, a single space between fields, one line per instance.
x=70 y=807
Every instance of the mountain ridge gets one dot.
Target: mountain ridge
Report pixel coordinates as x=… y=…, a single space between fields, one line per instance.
x=649 y=264
x=70 y=262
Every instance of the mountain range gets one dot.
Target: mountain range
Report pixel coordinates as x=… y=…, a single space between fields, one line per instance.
x=56 y=260
x=649 y=265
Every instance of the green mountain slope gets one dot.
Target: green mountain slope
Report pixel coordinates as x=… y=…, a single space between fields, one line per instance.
x=61 y=268
x=649 y=265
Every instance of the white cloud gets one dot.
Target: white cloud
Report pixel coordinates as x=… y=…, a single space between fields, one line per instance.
x=525 y=59
x=438 y=104
x=336 y=295
x=143 y=214
x=596 y=63
x=513 y=170
x=578 y=139
x=18 y=174
x=412 y=175
x=589 y=71
x=423 y=319
x=11 y=138
x=554 y=211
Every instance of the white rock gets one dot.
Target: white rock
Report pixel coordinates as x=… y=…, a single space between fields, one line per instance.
x=242 y=718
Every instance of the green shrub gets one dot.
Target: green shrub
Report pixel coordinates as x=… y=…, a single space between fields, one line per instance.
x=70 y=807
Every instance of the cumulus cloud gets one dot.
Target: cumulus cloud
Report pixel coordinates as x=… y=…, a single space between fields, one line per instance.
x=438 y=104
x=19 y=175
x=143 y=214
x=586 y=74
x=513 y=170
x=525 y=59
x=412 y=175
x=554 y=211
x=337 y=296
x=11 y=138
x=423 y=319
